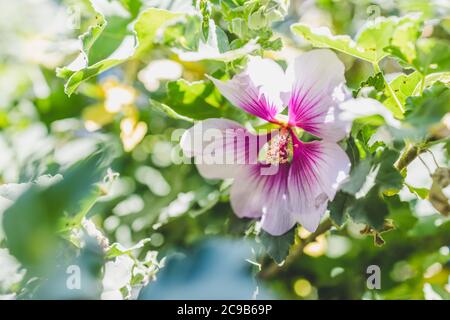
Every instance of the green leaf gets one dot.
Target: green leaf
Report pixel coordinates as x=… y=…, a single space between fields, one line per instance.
x=376 y=35
x=77 y=78
x=278 y=246
x=430 y=79
x=148 y=24
x=111 y=38
x=368 y=45
x=442 y=292
x=183 y=34
x=426 y=226
x=322 y=38
x=116 y=249
x=389 y=178
x=433 y=55
x=371 y=209
x=222 y=40
x=428 y=109
x=216 y=47
x=133 y=6
x=358 y=176
x=447 y=148
x=109 y=43
x=196 y=100
x=53 y=281
x=423 y=114
x=400 y=213
x=168 y=111
x=106 y=44
x=376 y=81
x=421 y=192
x=403 y=40
x=339 y=207
x=403 y=86
x=94 y=31
x=32 y=223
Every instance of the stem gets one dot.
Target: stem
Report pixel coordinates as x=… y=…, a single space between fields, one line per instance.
x=422 y=84
x=377 y=69
x=413 y=151
x=408 y=155
x=296 y=252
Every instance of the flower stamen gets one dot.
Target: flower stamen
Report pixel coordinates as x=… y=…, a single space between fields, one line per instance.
x=279 y=148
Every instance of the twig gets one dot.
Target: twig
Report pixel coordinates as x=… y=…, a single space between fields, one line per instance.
x=425 y=165
x=434 y=158
x=296 y=252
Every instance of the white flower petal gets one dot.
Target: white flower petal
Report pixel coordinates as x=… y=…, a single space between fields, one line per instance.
x=257 y=89
x=220 y=147
x=317 y=170
x=255 y=194
x=315 y=77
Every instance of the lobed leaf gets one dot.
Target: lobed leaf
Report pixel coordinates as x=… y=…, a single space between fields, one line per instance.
x=368 y=45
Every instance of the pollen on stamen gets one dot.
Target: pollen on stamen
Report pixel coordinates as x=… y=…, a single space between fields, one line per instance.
x=278 y=150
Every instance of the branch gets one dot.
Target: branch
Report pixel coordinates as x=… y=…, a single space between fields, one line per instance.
x=296 y=252
x=408 y=155
x=412 y=151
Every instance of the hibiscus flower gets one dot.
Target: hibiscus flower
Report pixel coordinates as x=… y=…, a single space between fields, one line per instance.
x=278 y=177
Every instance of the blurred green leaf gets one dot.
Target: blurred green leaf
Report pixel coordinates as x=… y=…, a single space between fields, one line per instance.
x=205 y=274
x=433 y=55
x=442 y=292
x=421 y=192
x=78 y=77
x=168 y=111
x=60 y=280
x=403 y=39
x=109 y=34
x=116 y=249
x=147 y=25
x=358 y=176
x=32 y=223
x=427 y=226
x=98 y=50
x=339 y=207
x=371 y=209
x=133 y=6
x=278 y=246
x=430 y=79
x=389 y=178
x=401 y=214
x=428 y=109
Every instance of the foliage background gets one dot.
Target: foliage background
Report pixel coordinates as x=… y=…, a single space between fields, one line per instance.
x=88 y=166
